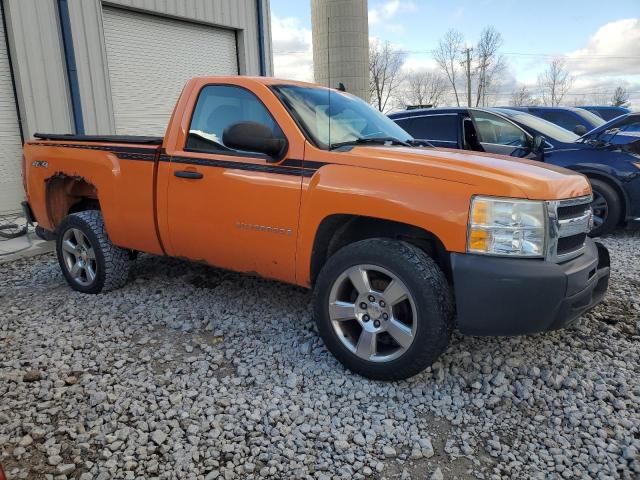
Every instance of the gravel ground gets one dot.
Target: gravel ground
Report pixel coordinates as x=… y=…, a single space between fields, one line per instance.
x=192 y=372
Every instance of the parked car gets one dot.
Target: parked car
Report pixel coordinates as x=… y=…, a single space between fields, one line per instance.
x=607 y=112
x=614 y=172
x=576 y=120
x=311 y=186
x=622 y=130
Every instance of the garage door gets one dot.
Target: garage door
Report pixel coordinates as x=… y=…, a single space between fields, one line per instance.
x=150 y=58
x=11 y=193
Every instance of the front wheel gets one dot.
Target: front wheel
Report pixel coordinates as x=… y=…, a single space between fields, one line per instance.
x=606 y=206
x=89 y=261
x=383 y=308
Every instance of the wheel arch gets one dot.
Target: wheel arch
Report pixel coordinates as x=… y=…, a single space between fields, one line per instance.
x=613 y=182
x=338 y=230
x=67 y=194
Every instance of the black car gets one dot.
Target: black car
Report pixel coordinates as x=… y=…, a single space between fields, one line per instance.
x=613 y=169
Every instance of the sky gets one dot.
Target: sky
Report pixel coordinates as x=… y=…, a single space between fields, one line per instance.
x=599 y=40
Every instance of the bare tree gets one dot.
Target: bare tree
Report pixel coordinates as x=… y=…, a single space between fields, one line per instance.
x=555 y=82
x=448 y=56
x=385 y=77
x=620 y=97
x=521 y=96
x=489 y=63
x=422 y=88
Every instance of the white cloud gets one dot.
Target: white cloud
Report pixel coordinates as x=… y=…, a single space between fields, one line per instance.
x=610 y=58
x=383 y=12
x=614 y=48
x=292 y=49
x=419 y=64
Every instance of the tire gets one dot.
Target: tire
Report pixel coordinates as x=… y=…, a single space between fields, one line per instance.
x=607 y=207
x=89 y=261
x=388 y=351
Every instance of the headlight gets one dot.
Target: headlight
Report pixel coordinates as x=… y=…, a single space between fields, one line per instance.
x=499 y=226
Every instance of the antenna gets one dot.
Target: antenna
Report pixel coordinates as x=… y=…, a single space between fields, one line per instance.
x=329 y=71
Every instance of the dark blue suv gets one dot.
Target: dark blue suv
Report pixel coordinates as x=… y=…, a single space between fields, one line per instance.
x=576 y=120
x=608 y=112
x=613 y=169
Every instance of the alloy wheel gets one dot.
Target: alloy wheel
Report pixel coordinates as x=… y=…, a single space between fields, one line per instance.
x=600 y=209
x=373 y=313
x=79 y=257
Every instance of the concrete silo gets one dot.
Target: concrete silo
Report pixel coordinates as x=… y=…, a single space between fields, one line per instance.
x=341 y=44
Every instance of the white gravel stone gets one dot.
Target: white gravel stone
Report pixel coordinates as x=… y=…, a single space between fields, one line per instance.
x=65 y=468
x=389 y=452
x=159 y=437
x=437 y=474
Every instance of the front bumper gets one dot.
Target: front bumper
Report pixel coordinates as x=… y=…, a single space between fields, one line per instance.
x=505 y=296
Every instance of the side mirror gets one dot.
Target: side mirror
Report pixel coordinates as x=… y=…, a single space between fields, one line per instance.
x=538 y=143
x=580 y=130
x=254 y=137
x=537 y=146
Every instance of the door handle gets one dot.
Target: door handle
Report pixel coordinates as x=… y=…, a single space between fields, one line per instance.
x=191 y=174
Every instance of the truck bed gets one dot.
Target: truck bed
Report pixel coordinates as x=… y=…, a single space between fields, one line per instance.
x=120 y=167
x=69 y=137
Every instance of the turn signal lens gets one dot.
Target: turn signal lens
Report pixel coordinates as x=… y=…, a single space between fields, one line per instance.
x=480 y=212
x=479 y=240
x=501 y=226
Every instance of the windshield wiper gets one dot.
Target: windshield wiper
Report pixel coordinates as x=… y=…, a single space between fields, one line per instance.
x=375 y=140
x=420 y=143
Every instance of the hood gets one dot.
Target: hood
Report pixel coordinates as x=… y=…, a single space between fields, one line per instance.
x=490 y=174
x=613 y=123
x=621 y=130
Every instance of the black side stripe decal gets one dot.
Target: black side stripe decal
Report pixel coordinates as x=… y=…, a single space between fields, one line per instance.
x=288 y=167
x=126 y=153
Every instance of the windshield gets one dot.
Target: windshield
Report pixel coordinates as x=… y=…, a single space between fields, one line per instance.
x=548 y=129
x=349 y=120
x=591 y=117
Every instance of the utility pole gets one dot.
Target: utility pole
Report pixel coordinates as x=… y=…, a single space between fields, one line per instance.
x=468 y=51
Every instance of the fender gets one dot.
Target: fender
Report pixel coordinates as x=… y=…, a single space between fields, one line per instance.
x=438 y=206
x=607 y=174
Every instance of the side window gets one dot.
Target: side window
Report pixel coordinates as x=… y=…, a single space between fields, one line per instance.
x=406 y=124
x=493 y=129
x=565 y=120
x=443 y=128
x=219 y=107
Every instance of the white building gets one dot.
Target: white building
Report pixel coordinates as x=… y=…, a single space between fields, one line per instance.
x=113 y=67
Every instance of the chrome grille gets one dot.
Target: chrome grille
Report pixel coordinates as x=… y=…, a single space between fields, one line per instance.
x=569 y=222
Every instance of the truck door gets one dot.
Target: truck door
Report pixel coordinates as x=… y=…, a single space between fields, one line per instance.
x=229 y=208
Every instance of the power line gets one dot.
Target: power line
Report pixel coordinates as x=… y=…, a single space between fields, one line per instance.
x=533 y=92
x=585 y=56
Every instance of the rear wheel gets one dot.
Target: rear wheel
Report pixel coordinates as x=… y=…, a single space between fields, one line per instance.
x=607 y=207
x=89 y=261
x=383 y=308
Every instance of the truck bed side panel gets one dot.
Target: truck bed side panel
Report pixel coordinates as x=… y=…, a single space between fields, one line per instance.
x=123 y=176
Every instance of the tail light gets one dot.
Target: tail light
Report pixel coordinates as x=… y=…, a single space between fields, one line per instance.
x=24 y=185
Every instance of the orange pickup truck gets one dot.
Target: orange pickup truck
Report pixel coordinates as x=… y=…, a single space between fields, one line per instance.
x=400 y=241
